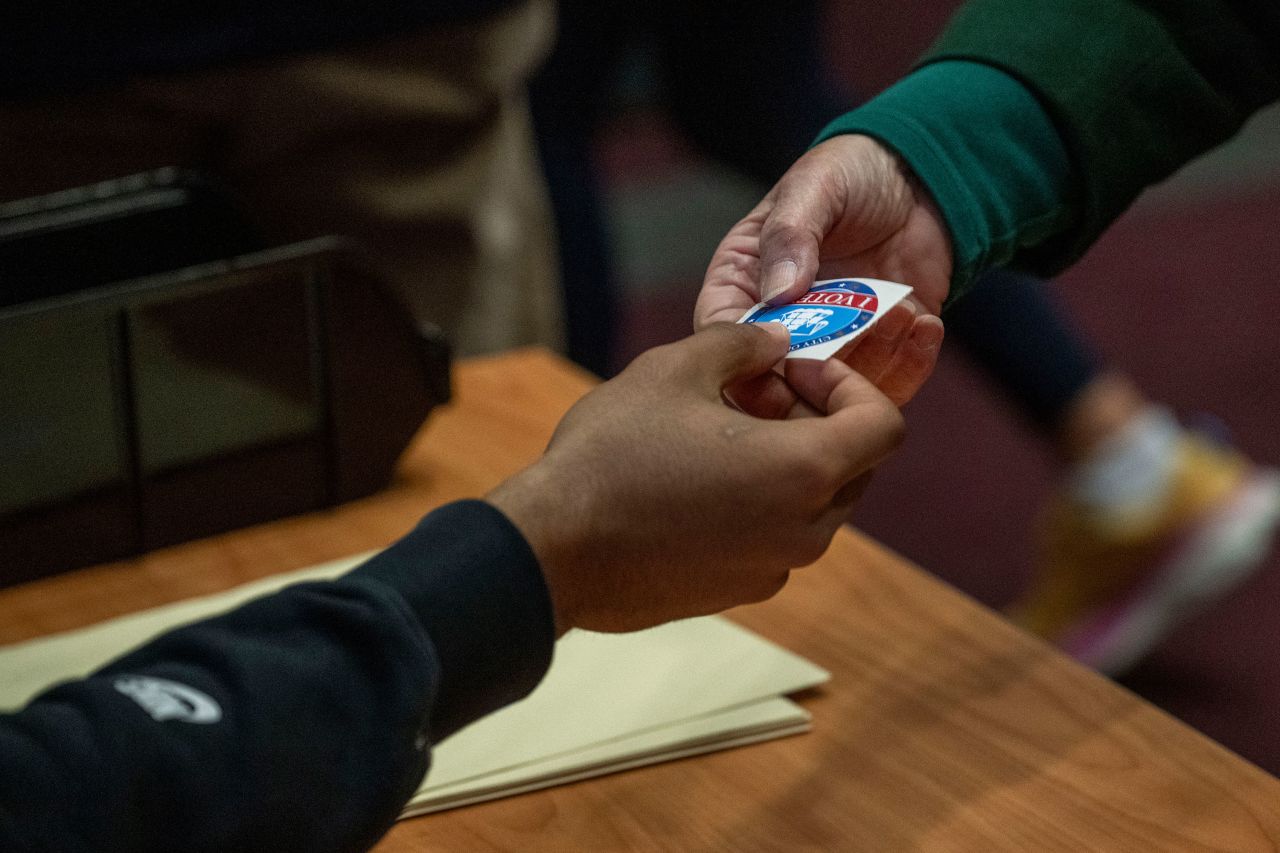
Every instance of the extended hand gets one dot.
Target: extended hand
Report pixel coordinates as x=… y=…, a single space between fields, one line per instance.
x=656 y=501
x=846 y=208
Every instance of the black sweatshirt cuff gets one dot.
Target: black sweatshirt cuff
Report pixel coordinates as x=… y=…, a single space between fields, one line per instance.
x=475 y=585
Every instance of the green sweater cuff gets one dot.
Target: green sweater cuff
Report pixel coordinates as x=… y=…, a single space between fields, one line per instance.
x=985 y=149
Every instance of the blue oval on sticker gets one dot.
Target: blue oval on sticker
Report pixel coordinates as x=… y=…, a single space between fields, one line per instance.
x=828 y=311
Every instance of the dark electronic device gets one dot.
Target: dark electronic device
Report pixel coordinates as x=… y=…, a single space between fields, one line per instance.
x=235 y=389
x=77 y=239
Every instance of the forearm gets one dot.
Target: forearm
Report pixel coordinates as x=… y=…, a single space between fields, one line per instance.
x=312 y=712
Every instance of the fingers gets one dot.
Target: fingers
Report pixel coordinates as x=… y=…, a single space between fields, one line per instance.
x=851 y=493
x=768 y=396
x=723 y=299
x=731 y=284
x=874 y=352
x=815 y=380
x=862 y=425
x=914 y=361
x=860 y=429
x=899 y=356
x=727 y=353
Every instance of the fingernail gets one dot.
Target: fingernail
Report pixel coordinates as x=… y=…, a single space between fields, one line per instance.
x=778 y=280
x=776 y=329
x=928 y=337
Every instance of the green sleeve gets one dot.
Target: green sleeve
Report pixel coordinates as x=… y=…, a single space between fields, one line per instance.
x=1134 y=89
x=986 y=151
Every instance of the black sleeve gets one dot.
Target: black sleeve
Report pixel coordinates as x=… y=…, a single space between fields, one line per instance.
x=300 y=721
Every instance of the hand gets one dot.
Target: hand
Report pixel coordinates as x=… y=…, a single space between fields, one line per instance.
x=847 y=208
x=655 y=501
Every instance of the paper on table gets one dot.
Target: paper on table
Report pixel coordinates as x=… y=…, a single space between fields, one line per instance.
x=609 y=702
x=605 y=686
x=751 y=723
x=28 y=668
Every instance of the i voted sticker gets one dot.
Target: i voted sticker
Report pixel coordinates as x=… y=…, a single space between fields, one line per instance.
x=831 y=315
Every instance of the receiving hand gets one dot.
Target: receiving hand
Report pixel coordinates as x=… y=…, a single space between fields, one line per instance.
x=655 y=501
x=847 y=208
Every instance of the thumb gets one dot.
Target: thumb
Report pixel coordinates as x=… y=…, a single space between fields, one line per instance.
x=791 y=235
x=725 y=353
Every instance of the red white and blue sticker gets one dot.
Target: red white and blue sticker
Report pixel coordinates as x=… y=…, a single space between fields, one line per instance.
x=831 y=315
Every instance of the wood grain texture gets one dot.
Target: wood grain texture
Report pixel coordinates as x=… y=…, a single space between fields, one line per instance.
x=944 y=728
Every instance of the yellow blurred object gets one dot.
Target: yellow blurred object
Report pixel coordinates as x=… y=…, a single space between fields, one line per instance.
x=1111 y=585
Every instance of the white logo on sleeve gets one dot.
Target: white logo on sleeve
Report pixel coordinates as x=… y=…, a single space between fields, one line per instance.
x=169 y=700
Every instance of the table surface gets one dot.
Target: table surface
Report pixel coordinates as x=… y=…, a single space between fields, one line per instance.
x=943 y=728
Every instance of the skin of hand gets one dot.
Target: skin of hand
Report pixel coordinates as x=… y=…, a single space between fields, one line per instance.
x=847 y=208
x=655 y=501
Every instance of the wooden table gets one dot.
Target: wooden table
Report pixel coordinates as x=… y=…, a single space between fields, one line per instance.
x=944 y=728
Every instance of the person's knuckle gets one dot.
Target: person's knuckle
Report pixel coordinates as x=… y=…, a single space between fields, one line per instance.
x=652 y=364
x=853 y=490
x=809 y=473
x=811 y=547
x=787 y=232
x=735 y=264
x=768 y=585
x=731 y=332
x=832 y=471
x=893 y=425
x=656 y=359
x=800 y=544
x=739 y=342
x=881 y=422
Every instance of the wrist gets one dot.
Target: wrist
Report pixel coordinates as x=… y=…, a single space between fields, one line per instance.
x=532 y=504
x=469 y=578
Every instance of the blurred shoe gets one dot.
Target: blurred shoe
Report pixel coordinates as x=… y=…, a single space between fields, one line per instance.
x=1110 y=588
